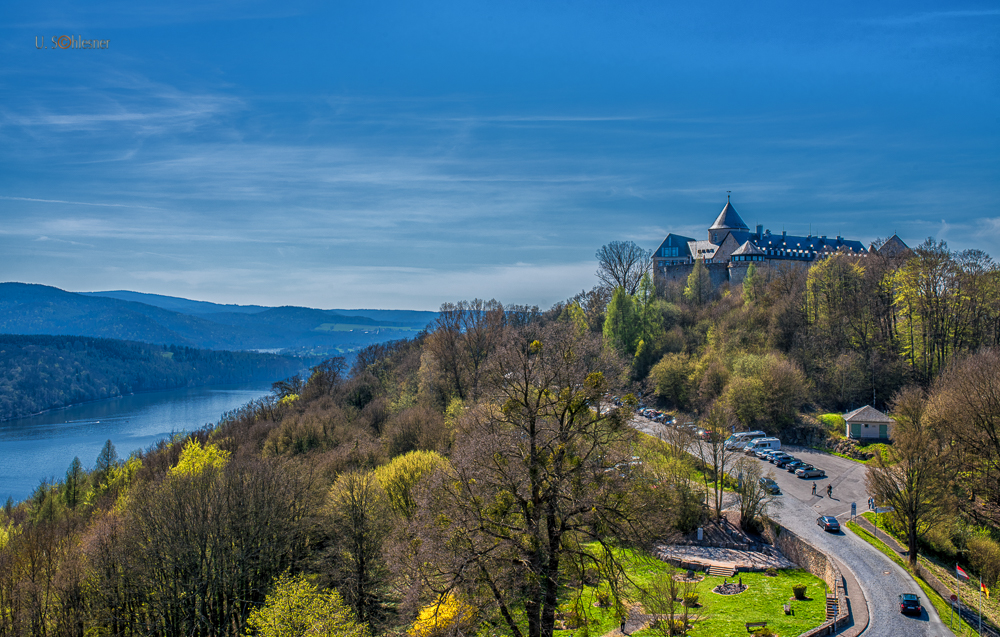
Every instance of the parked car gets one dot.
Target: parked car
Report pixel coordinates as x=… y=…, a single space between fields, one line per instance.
x=770 y=486
x=828 y=523
x=783 y=462
x=763 y=453
x=776 y=456
x=794 y=465
x=811 y=472
x=909 y=603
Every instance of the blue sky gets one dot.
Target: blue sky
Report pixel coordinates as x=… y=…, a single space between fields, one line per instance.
x=399 y=155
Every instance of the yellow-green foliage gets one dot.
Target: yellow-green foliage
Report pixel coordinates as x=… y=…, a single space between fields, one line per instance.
x=117 y=481
x=289 y=399
x=833 y=422
x=443 y=617
x=399 y=477
x=195 y=459
x=7 y=530
x=295 y=608
x=984 y=555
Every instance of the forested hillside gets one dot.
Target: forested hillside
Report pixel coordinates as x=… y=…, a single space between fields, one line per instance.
x=478 y=478
x=46 y=372
x=39 y=309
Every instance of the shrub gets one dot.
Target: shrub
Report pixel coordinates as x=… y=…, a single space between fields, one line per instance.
x=665 y=626
x=771 y=572
x=296 y=607
x=446 y=616
x=690 y=600
x=984 y=555
x=799 y=590
x=603 y=599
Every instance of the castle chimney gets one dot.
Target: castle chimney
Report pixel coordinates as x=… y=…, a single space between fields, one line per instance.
x=760 y=230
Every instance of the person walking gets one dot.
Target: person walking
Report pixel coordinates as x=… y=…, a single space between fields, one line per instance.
x=829 y=490
x=814 y=488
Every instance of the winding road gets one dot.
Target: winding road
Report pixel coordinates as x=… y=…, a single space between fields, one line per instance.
x=880 y=579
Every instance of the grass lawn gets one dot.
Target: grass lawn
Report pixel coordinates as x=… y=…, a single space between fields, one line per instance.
x=722 y=615
x=940 y=604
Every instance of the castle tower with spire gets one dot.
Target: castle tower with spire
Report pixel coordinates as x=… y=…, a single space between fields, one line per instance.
x=731 y=247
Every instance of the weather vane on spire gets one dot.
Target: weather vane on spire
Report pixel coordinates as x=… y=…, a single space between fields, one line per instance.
x=727 y=195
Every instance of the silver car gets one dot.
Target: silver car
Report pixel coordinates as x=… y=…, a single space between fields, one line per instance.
x=811 y=472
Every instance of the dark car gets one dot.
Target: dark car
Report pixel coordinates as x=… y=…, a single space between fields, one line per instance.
x=777 y=456
x=770 y=486
x=909 y=603
x=793 y=465
x=829 y=523
x=781 y=462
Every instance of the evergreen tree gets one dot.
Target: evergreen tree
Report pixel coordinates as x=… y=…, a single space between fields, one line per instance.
x=75 y=477
x=621 y=325
x=107 y=459
x=699 y=284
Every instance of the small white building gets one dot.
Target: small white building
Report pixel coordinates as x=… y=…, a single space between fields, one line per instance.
x=868 y=423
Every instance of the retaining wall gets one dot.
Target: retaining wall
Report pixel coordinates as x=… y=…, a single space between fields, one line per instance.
x=811 y=559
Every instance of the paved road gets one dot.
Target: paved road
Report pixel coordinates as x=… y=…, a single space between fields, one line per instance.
x=880 y=578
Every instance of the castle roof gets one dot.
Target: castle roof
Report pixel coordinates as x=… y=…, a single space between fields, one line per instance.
x=808 y=244
x=729 y=219
x=747 y=249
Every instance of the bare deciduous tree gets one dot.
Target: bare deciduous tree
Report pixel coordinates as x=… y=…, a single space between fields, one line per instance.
x=965 y=404
x=915 y=478
x=540 y=467
x=754 y=500
x=718 y=422
x=622 y=264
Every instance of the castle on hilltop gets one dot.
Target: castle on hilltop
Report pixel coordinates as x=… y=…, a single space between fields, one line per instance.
x=731 y=248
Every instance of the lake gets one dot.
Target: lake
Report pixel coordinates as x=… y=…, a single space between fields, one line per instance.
x=43 y=446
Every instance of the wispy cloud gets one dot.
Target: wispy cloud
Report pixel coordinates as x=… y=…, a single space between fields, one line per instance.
x=79 y=203
x=933 y=16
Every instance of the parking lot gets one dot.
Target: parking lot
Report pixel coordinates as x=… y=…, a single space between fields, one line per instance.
x=846 y=476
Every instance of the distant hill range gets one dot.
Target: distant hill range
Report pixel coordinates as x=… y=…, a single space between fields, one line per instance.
x=165 y=320
x=40 y=372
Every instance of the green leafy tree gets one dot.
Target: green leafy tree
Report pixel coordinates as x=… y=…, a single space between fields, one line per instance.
x=296 y=608
x=699 y=284
x=621 y=325
x=752 y=284
x=672 y=379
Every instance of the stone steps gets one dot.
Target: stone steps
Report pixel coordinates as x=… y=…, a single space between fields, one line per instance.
x=831 y=607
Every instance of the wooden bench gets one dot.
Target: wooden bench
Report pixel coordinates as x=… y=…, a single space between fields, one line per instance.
x=751 y=625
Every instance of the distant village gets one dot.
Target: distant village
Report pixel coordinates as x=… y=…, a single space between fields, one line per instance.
x=731 y=247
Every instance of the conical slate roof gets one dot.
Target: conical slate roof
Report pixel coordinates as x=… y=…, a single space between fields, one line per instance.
x=729 y=220
x=748 y=249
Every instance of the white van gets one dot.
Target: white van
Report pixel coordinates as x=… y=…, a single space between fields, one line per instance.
x=761 y=444
x=740 y=439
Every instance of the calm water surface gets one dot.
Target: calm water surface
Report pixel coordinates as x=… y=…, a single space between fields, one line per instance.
x=42 y=447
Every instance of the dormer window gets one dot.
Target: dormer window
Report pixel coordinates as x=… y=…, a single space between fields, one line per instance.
x=715 y=236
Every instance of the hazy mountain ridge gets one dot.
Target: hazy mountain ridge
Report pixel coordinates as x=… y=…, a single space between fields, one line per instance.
x=41 y=372
x=38 y=309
